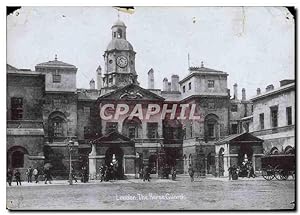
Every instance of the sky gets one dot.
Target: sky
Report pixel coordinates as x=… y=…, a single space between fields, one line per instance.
x=254 y=45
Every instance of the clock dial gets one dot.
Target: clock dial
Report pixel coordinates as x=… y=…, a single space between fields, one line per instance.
x=122 y=61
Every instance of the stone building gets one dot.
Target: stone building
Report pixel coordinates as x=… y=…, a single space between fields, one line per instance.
x=41 y=126
x=273 y=118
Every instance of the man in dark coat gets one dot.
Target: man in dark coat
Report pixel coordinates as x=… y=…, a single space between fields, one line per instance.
x=29 y=174
x=18 y=177
x=191 y=172
x=9 y=176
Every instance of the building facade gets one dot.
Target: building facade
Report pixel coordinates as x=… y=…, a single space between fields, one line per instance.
x=47 y=110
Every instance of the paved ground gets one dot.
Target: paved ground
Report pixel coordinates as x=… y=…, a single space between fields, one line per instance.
x=203 y=194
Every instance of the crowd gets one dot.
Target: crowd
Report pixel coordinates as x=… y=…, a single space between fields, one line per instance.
x=244 y=170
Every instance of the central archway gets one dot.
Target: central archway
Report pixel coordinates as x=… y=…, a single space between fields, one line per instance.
x=118 y=153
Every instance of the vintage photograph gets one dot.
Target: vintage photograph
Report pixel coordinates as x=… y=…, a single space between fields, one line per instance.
x=150 y=108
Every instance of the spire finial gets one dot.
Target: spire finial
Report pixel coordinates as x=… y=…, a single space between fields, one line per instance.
x=55 y=57
x=202 y=64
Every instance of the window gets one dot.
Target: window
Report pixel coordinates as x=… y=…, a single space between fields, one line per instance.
x=152 y=129
x=183 y=89
x=274 y=116
x=289 y=115
x=132 y=132
x=184 y=133
x=211 y=83
x=16 y=108
x=234 y=129
x=111 y=126
x=56 y=103
x=56 y=78
x=17 y=159
x=57 y=129
x=234 y=108
x=115 y=34
x=211 y=130
x=110 y=80
x=191 y=129
x=211 y=105
x=190 y=86
x=87 y=131
x=87 y=110
x=119 y=35
x=262 y=121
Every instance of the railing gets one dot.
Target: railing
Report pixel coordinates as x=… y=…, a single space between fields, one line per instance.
x=24 y=124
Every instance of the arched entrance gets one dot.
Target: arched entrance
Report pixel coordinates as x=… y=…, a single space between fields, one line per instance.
x=15 y=157
x=116 y=153
x=245 y=149
x=221 y=162
x=211 y=163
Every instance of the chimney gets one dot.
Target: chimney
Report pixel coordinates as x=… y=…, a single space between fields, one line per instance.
x=243 y=94
x=175 y=83
x=165 y=84
x=99 y=78
x=235 y=91
x=258 y=91
x=169 y=86
x=92 y=84
x=151 y=79
x=269 y=87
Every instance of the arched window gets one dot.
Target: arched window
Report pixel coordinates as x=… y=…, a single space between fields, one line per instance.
x=119 y=34
x=211 y=126
x=132 y=128
x=289 y=150
x=274 y=151
x=15 y=157
x=184 y=158
x=57 y=124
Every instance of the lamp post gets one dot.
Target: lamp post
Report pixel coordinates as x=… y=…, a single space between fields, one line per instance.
x=70 y=145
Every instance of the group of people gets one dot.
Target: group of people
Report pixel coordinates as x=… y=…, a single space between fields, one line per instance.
x=108 y=172
x=30 y=173
x=244 y=170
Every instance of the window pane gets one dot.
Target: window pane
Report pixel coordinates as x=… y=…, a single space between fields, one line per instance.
x=289 y=115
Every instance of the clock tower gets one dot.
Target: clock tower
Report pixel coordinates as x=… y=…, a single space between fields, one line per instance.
x=119 y=59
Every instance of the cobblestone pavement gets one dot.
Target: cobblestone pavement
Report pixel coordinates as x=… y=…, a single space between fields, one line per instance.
x=203 y=194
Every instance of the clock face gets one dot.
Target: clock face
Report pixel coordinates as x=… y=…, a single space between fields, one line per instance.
x=122 y=61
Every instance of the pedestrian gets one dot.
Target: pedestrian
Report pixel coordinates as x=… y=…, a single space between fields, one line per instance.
x=35 y=174
x=48 y=176
x=9 y=176
x=230 y=172
x=18 y=177
x=173 y=173
x=29 y=174
x=191 y=172
x=74 y=175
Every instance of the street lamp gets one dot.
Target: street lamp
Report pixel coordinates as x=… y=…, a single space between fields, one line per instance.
x=70 y=145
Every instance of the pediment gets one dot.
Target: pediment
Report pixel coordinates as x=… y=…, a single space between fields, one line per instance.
x=113 y=138
x=132 y=92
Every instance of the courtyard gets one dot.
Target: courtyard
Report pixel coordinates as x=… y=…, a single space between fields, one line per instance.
x=158 y=194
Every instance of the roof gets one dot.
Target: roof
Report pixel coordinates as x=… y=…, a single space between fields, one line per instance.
x=10 y=67
x=132 y=91
x=55 y=63
x=119 y=44
x=202 y=71
x=274 y=92
x=243 y=137
x=119 y=23
x=113 y=138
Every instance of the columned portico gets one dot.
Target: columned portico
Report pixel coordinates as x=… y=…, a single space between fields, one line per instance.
x=113 y=146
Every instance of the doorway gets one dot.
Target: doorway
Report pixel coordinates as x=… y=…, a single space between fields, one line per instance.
x=117 y=154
